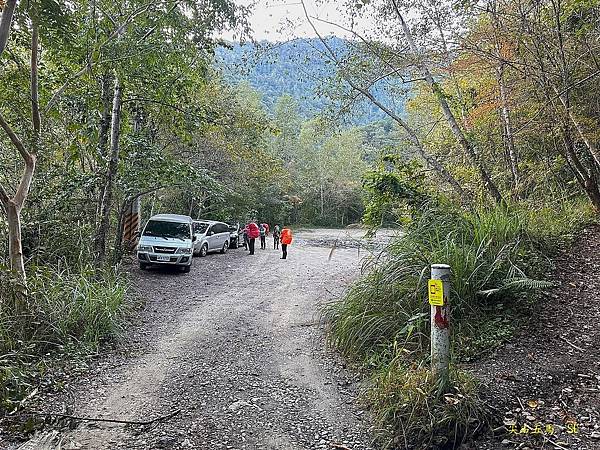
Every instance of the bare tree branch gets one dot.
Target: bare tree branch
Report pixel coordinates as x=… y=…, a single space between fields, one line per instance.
x=14 y=138
x=25 y=183
x=35 y=103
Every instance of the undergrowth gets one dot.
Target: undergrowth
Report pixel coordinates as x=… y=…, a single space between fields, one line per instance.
x=411 y=408
x=499 y=258
x=63 y=311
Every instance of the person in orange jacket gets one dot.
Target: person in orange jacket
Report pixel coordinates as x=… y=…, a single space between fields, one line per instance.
x=286 y=239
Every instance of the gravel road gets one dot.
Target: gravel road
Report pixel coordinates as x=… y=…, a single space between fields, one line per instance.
x=237 y=347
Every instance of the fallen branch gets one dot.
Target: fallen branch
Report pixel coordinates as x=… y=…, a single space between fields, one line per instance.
x=339 y=446
x=97 y=419
x=556 y=445
x=572 y=345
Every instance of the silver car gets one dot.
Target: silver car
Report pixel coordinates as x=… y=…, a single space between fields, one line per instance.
x=210 y=236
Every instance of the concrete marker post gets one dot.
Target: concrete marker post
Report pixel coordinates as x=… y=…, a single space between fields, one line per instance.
x=439 y=299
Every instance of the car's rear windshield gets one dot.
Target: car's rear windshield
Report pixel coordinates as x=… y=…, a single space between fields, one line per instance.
x=167 y=229
x=200 y=227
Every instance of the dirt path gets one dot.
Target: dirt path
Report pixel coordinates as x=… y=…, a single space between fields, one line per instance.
x=545 y=384
x=237 y=347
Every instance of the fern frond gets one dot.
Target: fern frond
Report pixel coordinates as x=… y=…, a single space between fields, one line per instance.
x=514 y=285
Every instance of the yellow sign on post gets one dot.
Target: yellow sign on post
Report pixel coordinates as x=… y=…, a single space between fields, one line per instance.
x=436 y=292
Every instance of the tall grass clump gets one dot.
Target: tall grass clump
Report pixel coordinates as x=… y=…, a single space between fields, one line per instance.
x=412 y=413
x=63 y=309
x=554 y=223
x=491 y=255
x=382 y=322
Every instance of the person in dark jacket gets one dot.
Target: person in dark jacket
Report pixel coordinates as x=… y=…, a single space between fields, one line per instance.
x=276 y=236
x=246 y=240
x=263 y=236
x=253 y=233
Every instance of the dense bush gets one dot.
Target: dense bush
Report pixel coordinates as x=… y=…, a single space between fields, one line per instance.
x=410 y=408
x=382 y=323
x=489 y=251
x=62 y=309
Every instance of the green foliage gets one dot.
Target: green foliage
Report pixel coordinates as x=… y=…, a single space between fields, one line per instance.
x=556 y=220
x=390 y=186
x=488 y=250
x=407 y=398
x=382 y=323
x=64 y=308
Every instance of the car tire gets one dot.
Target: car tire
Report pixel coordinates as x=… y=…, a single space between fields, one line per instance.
x=203 y=250
x=186 y=269
x=225 y=247
x=143 y=266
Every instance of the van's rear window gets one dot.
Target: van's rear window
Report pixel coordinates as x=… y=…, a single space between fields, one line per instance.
x=167 y=229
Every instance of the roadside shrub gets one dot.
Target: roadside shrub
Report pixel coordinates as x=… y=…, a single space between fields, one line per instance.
x=497 y=255
x=556 y=222
x=489 y=251
x=412 y=413
x=62 y=309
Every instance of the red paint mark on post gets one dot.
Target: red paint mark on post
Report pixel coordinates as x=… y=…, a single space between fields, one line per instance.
x=441 y=320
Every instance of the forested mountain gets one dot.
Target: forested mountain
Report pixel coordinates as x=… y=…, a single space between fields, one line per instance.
x=296 y=68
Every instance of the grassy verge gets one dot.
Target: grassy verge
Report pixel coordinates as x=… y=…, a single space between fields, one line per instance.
x=65 y=312
x=499 y=258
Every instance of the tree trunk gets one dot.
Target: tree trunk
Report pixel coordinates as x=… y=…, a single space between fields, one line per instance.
x=5 y=22
x=508 y=133
x=118 y=250
x=588 y=143
x=103 y=228
x=586 y=178
x=103 y=128
x=14 y=206
x=593 y=192
x=466 y=145
x=15 y=249
x=322 y=200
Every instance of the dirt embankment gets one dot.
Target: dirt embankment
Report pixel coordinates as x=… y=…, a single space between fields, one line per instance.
x=545 y=384
x=237 y=349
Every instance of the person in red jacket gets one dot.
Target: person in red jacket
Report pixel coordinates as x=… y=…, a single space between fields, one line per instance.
x=253 y=233
x=286 y=239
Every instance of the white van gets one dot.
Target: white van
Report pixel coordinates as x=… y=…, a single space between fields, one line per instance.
x=167 y=239
x=210 y=236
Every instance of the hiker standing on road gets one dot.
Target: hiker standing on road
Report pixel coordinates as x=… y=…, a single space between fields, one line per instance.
x=276 y=236
x=263 y=236
x=286 y=239
x=253 y=233
x=246 y=240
